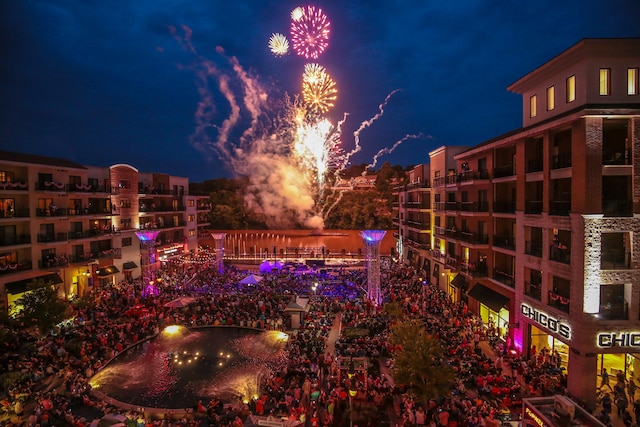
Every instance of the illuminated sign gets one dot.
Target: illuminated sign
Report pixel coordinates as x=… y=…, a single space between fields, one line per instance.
x=545 y=320
x=535 y=418
x=619 y=339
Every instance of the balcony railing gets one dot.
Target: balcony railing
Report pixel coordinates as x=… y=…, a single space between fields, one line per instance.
x=87 y=234
x=473 y=238
x=561 y=161
x=504 y=277
x=560 y=208
x=533 y=207
x=13 y=186
x=108 y=253
x=51 y=212
x=51 y=186
x=453 y=261
x=53 y=237
x=87 y=188
x=533 y=290
x=560 y=254
x=162 y=208
x=473 y=175
x=451 y=206
x=473 y=269
x=14 y=267
x=622 y=157
x=20 y=239
x=54 y=262
x=506 y=242
x=613 y=310
x=534 y=165
x=439 y=206
x=439 y=231
x=438 y=182
x=15 y=213
x=613 y=259
x=617 y=207
x=505 y=207
x=559 y=301
x=533 y=248
x=474 y=206
x=504 y=171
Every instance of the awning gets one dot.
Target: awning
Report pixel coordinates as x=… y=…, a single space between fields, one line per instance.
x=487 y=296
x=21 y=286
x=129 y=265
x=107 y=271
x=459 y=281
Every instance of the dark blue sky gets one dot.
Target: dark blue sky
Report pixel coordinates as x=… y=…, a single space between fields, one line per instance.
x=104 y=82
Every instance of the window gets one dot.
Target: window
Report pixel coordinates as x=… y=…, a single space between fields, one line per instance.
x=632 y=81
x=571 y=89
x=605 y=81
x=124 y=183
x=6 y=176
x=191 y=203
x=125 y=223
x=125 y=203
x=551 y=98
x=192 y=232
x=191 y=217
x=126 y=241
x=533 y=106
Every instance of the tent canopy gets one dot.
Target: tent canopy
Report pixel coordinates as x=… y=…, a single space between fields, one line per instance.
x=251 y=279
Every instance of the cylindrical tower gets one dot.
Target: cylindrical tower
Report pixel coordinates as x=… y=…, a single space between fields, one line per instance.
x=147 y=259
x=219 y=240
x=372 y=239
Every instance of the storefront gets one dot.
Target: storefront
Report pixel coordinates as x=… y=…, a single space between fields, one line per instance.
x=16 y=290
x=614 y=361
x=493 y=308
x=545 y=331
x=106 y=275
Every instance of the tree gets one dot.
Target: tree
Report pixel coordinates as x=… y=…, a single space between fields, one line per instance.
x=41 y=305
x=419 y=363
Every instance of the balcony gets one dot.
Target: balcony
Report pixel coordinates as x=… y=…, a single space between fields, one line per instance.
x=14 y=186
x=504 y=277
x=560 y=208
x=469 y=176
x=533 y=248
x=474 y=270
x=504 y=206
x=14 y=267
x=439 y=206
x=53 y=237
x=615 y=259
x=54 y=262
x=504 y=171
x=559 y=302
x=474 y=206
x=87 y=188
x=612 y=208
x=451 y=206
x=439 y=181
x=453 y=261
x=51 y=186
x=533 y=290
x=610 y=310
x=616 y=158
x=533 y=207
x=108 y=253
x=87 y=234
x=561 y=161
x=56 y=212
x=15 y=213
x=419 y=184
x=162 y=208
x=473 y=238
x=437 y=255
x=560 y=253
x=21 y=239
x=439 y=231
x=534 y=165
x=505 y=242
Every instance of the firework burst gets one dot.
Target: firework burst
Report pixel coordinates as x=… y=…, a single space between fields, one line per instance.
x=318 y=89
x=278 y=44
x=310 y=31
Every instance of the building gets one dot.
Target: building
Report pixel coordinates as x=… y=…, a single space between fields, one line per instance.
x=536 y=229
x=76 y=225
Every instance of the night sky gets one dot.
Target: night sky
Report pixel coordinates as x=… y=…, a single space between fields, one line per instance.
x=106 y=82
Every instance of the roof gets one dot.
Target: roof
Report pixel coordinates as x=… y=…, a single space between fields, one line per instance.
x=487 y=296
x=35 y=159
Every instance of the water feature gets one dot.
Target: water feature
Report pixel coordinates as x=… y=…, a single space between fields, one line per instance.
x=180 y=366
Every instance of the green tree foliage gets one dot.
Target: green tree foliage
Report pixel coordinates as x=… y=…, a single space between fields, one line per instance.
x=41 y=306
x=418 y=361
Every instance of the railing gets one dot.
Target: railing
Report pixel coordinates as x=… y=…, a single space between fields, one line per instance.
x=561 y=161
x=504 y=207
x=158 y=226
x=533 y=248
x=533 y=290
x=560 y=254
x=453 y=261
x=14 y=267
x=504 y=171
x=437 y=255
x=473 y=238
x=145 y=208
x=439 y=206
x=109 y=253
x=51 y=212
x=560 y=208
x=534 y=165
x=87 y=188
x=419 y=184
x=612 y=259
x=20 y=239
x=533 y=207
x=74 y=235
x=451 y=179
x=617 y=207
x=613 y=310
x=474 y=206
x=559 y=301
x=15 y=213
x=473 y=175
x=506 y=242
x=92 y=211
x=54 y=237
x=163 y=192
x=617 y=158
x=504 y=277
x=451 y=206
x=474 y=270
x=439 y=231
x=13 y=186
x=439 y=182
x=55 y=262
x=51 y=186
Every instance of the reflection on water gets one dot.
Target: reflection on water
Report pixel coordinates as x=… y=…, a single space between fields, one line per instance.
x=177 y=370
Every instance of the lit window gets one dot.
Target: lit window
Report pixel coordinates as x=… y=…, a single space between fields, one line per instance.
x=571 y=89
x=533 y=106
x=192 y=233
x=632 y=81
x=551 y=98
x=605 y=81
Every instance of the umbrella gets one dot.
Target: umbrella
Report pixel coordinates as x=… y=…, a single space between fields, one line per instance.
x=251 y=279
x=180 y=302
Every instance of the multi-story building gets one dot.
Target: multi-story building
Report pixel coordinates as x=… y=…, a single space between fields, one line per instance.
x=538 y=228
x=76 y=225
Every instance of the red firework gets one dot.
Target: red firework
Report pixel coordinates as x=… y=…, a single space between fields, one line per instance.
x=310 y=32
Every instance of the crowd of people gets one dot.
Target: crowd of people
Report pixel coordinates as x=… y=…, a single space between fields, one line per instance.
x=314 y=388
